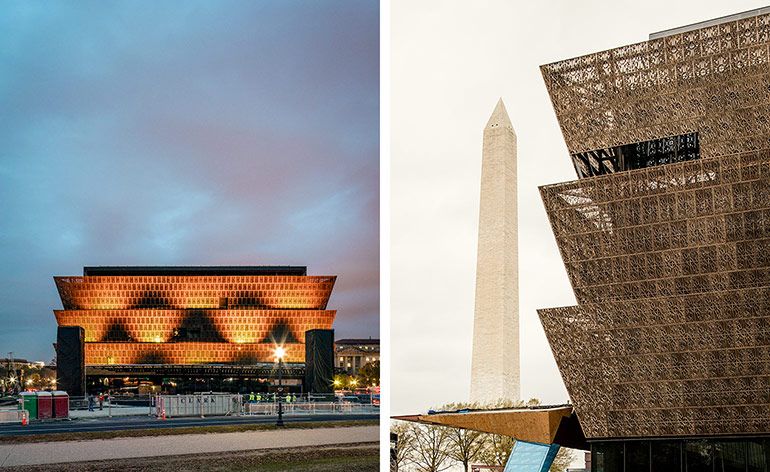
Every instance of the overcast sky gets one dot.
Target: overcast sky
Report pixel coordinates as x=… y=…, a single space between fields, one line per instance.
x=186 y=133
x=451 y=61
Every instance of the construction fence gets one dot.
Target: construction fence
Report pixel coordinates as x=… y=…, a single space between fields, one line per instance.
x=226 y=404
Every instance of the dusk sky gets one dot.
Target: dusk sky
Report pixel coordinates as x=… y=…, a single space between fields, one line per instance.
x=186 y=133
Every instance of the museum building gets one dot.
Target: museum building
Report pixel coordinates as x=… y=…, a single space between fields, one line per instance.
x=665 y=237
x=173 y=326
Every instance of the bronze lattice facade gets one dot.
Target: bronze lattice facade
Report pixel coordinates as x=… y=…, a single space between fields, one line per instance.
x=712 y=81
x=665 y=234
x=200 y=315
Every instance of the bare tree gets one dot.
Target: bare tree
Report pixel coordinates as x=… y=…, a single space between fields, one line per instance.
x=563 y=460
x=496 y=449
x=404 y=443
x=430 y=452
x=465 y=445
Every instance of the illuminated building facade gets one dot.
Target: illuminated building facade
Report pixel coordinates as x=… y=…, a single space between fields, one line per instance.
x=193 y=316
x=352 y=354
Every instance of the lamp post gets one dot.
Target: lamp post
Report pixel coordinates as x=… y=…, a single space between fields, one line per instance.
x=279 y=353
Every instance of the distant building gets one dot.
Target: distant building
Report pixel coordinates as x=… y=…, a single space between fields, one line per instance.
x=19 y=363
x=352 y=354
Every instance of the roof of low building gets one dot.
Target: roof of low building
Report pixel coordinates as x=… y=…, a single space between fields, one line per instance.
x=357 y=341
x=545 y=424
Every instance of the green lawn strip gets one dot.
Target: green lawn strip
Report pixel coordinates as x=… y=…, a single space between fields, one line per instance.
x=330 y=464
x=170 y=431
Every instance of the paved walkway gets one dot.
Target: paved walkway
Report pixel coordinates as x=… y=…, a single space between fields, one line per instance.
x=123 y=448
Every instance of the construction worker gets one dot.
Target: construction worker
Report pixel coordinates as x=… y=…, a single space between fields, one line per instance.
x=288 y=398
x=259 y=397
x=251 y=397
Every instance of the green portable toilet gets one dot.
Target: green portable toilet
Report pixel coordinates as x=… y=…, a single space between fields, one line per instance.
x=29 y=403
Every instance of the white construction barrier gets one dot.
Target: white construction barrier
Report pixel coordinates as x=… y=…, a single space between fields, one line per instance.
x=199 y=404
x=13 y=416
x=227 y=404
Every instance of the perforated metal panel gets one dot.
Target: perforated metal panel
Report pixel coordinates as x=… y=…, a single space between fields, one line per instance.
x=670 y=263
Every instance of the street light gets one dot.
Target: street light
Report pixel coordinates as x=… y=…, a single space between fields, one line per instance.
x=279 y=353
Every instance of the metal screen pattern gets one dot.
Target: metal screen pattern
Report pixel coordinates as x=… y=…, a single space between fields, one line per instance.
x=125 y=292
x=683 y=228
x=677 y=366
x=670 y=263
x=712 y=80
x=189 y=353
x=235 y=326
x=180 y=319
x=670 y=267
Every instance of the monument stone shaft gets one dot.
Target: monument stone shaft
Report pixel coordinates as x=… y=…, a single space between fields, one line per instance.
x=495 y=365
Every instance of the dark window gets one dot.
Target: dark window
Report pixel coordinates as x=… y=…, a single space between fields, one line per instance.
x=698 y=456
x=666 y=455
x=607 y=457
x=655 y=152
x=730 y=456
x=637 y=456
x=756 y=456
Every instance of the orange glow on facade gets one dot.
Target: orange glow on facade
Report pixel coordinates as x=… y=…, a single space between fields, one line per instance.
x=205 y=292
x=194 y=319
x=233 y=326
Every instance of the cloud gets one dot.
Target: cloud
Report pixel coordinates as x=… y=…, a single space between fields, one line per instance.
x=203 y=133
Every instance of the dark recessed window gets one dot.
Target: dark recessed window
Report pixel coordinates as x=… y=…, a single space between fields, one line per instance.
x=637 y=456
x=656 y=152
x=607 y=457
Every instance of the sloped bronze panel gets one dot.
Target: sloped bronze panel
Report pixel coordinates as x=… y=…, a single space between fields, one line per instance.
x=540 y=424
x=696 y=365
x=693 y=227
x=205 y=292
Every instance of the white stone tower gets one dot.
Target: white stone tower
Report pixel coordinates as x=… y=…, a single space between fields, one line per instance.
x=495 y=366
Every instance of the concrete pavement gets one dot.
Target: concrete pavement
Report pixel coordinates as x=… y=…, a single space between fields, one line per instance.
x=119 y=423
x=123 y=448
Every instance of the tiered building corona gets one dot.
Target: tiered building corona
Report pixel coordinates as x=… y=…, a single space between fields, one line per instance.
x=665 y=238
x=188 y=316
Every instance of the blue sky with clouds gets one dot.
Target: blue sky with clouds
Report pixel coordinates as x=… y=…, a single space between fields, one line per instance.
x=186 y=133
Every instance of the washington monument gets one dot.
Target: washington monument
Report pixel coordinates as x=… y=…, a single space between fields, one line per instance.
x=495 y=366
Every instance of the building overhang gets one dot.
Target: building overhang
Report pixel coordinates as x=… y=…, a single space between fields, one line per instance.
x=543 y=424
